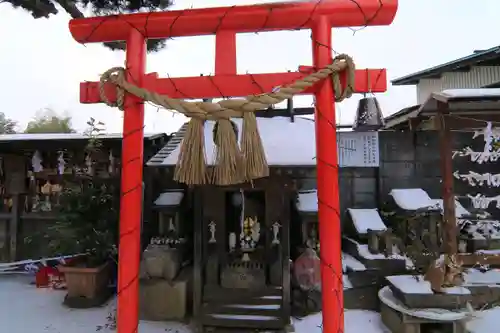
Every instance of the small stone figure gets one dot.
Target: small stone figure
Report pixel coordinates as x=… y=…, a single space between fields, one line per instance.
x=276 y=227
x=36 y=162
x=61 y=163
x=211 y=228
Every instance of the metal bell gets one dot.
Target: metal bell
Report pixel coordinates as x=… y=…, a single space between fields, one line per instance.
x=369 y=117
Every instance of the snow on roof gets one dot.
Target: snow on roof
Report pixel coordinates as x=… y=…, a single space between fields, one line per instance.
x=171 y=198
x=471 y=93
x=64 y=136
x=411 y=284
x=364 y=219
x=411 y=198
x=308 y=202
x=277 y=135
x=474 y=277
x=351 y=263
x=287 y=143
x=459 y=209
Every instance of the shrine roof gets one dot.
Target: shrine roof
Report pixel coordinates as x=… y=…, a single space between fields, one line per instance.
x=286 y=143
x=67 y=136
x=489 y=57
x=482 y=104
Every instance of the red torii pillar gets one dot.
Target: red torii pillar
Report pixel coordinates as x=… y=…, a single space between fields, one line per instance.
x=319 y=16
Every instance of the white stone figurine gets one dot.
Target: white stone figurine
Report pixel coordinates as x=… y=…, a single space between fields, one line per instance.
x=276 y=227
x=111 y=165
x=36 y=162
x=211 y=228
x=232 y=241
x=61 y=163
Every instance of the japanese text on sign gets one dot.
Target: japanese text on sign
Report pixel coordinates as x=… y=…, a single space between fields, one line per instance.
x=358 y=149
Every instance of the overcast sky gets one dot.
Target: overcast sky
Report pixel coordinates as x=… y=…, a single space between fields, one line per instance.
x=41 y=65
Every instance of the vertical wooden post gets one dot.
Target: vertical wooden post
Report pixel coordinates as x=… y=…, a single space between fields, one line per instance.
x=131 y=189
x=328 y=185
x=198 y=252
x=15 y=216
x=449 y=215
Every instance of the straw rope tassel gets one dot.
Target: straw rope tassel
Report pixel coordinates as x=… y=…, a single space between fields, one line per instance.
x=191 y=168
x=227 y=169
x=254 y=156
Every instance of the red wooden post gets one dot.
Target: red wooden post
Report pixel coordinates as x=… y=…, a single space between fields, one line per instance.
x=131 y=189
x=225 y=22
x=328 y=185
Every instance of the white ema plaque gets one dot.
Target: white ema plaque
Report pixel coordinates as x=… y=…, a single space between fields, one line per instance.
x=358 y=149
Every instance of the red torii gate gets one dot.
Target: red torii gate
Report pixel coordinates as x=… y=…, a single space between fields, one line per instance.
x=319 y=16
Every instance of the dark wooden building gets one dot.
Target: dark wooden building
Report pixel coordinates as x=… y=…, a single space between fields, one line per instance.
x=35 y=168
x=246 y=236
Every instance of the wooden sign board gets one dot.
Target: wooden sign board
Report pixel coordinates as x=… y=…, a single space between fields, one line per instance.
x=358 y=149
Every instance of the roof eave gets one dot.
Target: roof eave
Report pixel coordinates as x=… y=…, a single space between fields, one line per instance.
x=413 y=79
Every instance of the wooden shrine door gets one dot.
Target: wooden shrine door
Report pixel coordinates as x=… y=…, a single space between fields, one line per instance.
x=243 y=284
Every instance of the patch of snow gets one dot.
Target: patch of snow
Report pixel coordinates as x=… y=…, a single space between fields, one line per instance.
x=474 y=277
x=171 y=198
x=411 y=198
x=364 y=219
x=346 y=283
x=364 y=252
x=480 y=229
x=260 y=306
x=355 y=321
x=459 y=209
x=308 y=201
x=410 y=284
x=385 y=295
x=484 y=321
x=242 y=317
x=464 y=93
x=349 y=262
x=47 y=314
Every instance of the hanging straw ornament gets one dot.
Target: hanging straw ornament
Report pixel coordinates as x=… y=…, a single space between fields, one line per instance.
x=191 y=166
x=228 y=160
x=254 y=157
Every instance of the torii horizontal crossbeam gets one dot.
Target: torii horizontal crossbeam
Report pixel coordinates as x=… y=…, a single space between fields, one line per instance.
x=239 y=19
x=219 y=86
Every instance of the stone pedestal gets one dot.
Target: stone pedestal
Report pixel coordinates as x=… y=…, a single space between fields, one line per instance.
x=399 y=318
x=160 y=261
x=161 y=300
x=399 y=322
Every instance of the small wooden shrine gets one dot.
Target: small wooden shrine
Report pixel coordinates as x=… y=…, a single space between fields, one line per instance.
x=246 y=236
x=34 y=169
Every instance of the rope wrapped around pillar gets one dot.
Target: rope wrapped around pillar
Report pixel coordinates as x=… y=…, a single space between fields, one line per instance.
x=233 y=164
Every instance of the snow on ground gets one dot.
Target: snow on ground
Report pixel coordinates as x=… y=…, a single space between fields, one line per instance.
x=485 y=322
x=24 y=308
x=355 y=321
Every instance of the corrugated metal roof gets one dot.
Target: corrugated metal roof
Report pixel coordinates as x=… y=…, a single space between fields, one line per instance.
x=66 y=136
x=482 y=100
x=470 y=60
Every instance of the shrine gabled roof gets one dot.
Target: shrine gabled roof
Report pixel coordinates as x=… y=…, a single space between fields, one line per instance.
x=489 y=57
x=286 y=143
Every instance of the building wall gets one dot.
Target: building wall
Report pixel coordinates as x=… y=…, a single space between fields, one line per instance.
x=477 y=77
x=412 y=160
